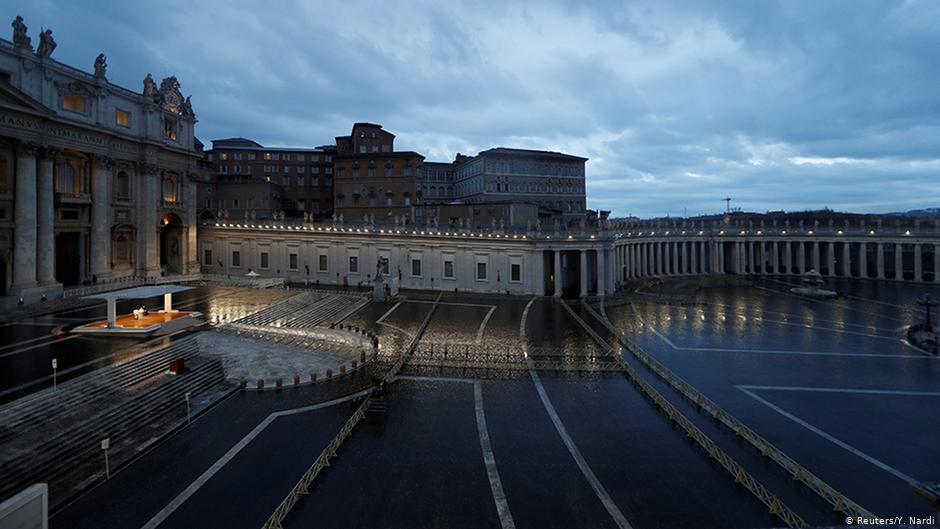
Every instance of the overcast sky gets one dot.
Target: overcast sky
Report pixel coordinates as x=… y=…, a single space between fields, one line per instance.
x=779 y=105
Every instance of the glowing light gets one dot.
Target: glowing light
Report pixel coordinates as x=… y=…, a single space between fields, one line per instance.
x=810 y=232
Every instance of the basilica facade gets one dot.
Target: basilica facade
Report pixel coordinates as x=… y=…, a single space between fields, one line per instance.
x=97 y=181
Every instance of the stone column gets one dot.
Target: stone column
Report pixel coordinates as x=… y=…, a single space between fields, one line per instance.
x=641 y=253
x=815 y=257
x=667 y=257
x=148 y=264
x=801 y=257
x=898 y=262
x=704 y=265
x=692 y=257
x=720 y=257
x=24 y=217
x=675 y=258
x=830 y=259
x=880 y=260
x=558 y=283
x=862 y=260
x=45 y=221
x=584 y=274
x=775 y=256
x=846 y=260
x=788 y=256
x=918 y=263
x=936 y=263
x=100 y=218
x=190 y=260
x=601 y=272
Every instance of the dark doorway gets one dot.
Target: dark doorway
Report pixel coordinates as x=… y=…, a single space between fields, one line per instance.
x=171 y=244
x=68 y=258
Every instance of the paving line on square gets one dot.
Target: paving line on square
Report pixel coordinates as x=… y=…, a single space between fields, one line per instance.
x=193 y=487
x=876 y=462
x=589 y=475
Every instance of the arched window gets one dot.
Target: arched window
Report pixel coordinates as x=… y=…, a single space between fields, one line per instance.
x=120 y=249
x=170 y=188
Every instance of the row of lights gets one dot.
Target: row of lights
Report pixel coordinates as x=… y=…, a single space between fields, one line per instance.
x=456 y=234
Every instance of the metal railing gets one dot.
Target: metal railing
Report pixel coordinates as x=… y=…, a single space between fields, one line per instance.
x=839 y=501
x=741 y=476
x=303 y=486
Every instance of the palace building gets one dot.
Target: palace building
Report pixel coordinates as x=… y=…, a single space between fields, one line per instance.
x=97 y=181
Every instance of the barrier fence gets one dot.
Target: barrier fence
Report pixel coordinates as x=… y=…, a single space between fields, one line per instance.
x=741 y=476
x=839 y=501
x=303 y=486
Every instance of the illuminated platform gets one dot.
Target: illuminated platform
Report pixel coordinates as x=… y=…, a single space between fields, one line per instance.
x=144 y=322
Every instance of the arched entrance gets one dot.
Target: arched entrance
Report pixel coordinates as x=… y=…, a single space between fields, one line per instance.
x=171 y=244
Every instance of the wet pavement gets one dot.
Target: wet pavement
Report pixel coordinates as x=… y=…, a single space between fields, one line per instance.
x=830 y=383
x=29 y=345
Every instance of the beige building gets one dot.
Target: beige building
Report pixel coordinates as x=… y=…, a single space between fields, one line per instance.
x=97 y=182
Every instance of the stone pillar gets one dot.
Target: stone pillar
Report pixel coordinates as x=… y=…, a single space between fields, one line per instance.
x=880 y=260
x=601 y=272
x=936 y=263
x=801 y=257
x=190 y=261
x=148 y=264
x=641 y=252
x=775 y=256
x=815 y=257
x=720 y=251
x=830 y=259
x=918 y=263
x=704 y=265
x=24 y=217
x=558 y=283
x=45 y=220
x=898 y=262
x=667 y=258
x=846 y=260
x=862 y=260
x=100 y=218
x=788 y=256
x=584 y=274
x=675 y=258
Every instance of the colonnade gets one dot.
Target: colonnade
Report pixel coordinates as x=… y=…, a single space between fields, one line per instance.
x=896 y=258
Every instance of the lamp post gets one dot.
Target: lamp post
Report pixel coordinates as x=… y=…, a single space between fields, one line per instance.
x=927 y=303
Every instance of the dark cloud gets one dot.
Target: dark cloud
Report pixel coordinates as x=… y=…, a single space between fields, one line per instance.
x=787 y=104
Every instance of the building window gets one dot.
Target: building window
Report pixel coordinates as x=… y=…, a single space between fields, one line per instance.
x=236 y=259
x=383 y=265
x=169 y=129
x=285 y=180
x=300 y=180
x=315 y=205
x=223 y=156
x=275 y=156
x=301 y=169
x=371 y=172
x=407 y=200
x=122 y=186
x=355 y=172
x=207 y=257
x=292 y=261
x=371 y=201
x=264 y=260
x=301 y=157
x=448 y=269
x=415 y=267
x=408 y=170
x=515 y=272
x=65 y=179
x=169 y=188
x=353 y=264
x=388 y=199
x=267 y=156
x=122 y=118
x=362 y=148
x=300 y=204
x=75 y=103
x=339 y=200
x=287 y=157
x=389 y=170
x=481 y=271
x=238 y=156
x=324 y=264
x=251 y=156
x=120 y=251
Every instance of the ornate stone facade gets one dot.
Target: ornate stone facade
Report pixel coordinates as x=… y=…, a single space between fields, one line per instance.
x=95 y=179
